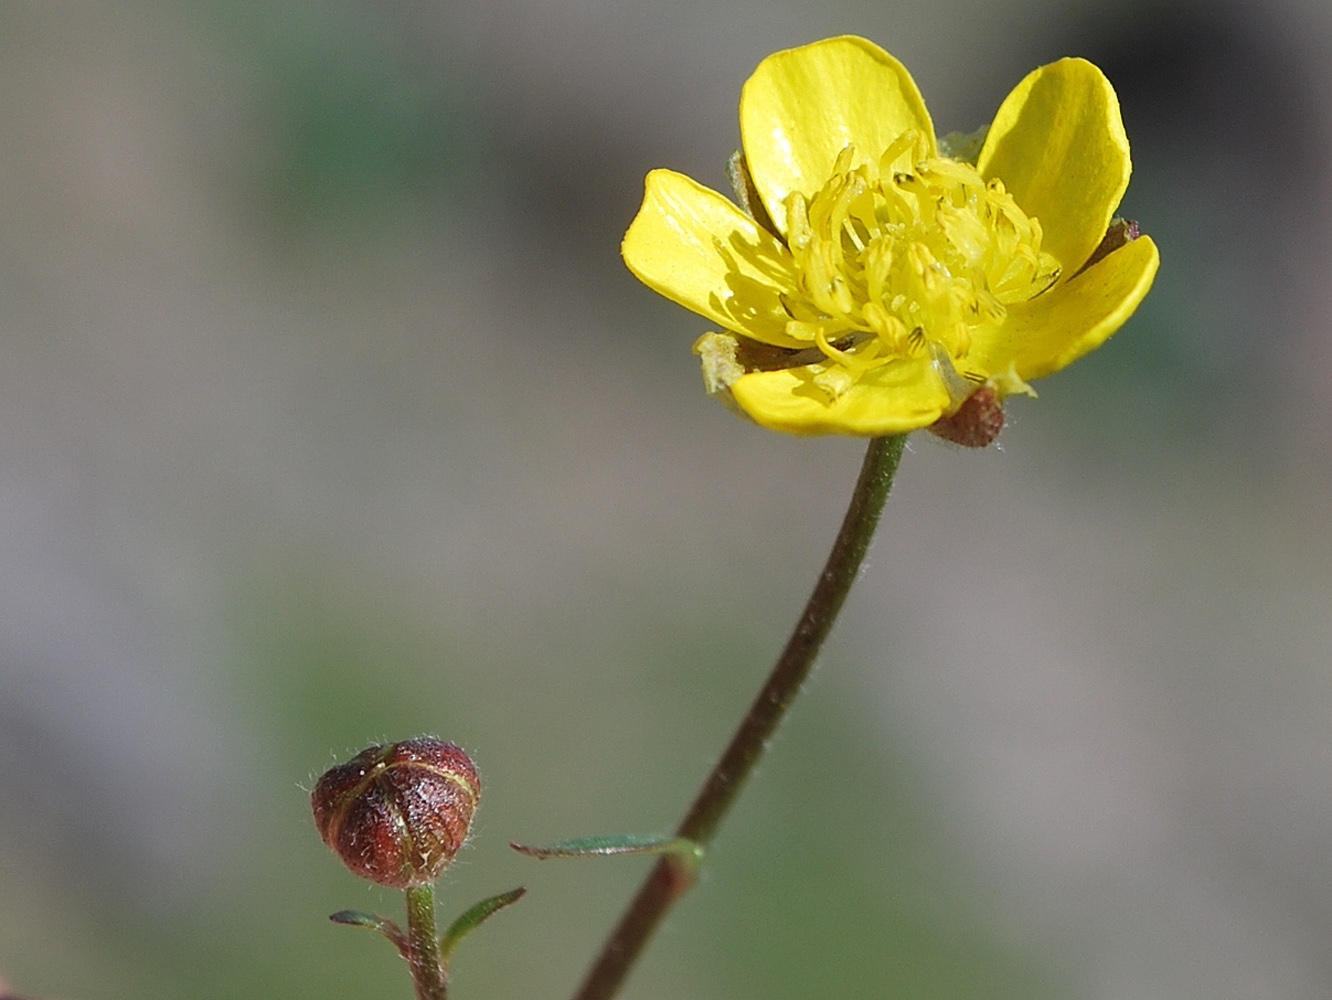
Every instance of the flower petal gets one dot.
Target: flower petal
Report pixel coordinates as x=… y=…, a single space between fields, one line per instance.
x=698 y=249
x=1076 y=316
x=803 y=106
x=898 y=397
x=1058 y=144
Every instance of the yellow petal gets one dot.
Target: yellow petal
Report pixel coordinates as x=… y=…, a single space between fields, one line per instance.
x=898 y=397
x=1076 y=316
x=804 y=106
x=1058 y=144
x=698 y=249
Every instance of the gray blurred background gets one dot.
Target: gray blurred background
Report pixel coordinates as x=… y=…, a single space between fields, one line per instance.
x=328 y=413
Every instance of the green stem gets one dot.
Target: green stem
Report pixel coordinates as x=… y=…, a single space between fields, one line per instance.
x=673 y=874
x=423 y=955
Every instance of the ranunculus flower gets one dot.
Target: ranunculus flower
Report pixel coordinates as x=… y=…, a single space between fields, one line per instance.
x=870 y=284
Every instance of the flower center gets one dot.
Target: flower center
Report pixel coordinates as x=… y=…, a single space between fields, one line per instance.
x=909 y=264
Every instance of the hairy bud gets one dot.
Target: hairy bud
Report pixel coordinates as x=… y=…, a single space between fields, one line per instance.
x=398 y=814
x=976 y=422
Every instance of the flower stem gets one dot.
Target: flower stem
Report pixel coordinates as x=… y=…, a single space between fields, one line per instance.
x=423 y=955
x=673 y=874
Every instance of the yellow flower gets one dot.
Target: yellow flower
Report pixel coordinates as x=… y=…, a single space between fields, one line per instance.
x=874 y=284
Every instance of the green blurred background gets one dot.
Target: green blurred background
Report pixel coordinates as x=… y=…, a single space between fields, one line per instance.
x=328 y=414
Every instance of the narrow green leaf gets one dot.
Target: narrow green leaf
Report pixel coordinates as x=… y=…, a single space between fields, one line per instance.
x=616 y=844
x=374 y=922
x=473 y=919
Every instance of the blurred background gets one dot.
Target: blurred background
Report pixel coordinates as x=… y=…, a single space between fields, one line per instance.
x=329 y=414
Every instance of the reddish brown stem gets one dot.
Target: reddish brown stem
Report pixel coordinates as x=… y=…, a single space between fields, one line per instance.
x=673 y=875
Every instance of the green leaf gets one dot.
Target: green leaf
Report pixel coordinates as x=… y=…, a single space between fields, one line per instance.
x=474 y=918
x=616 y=844
x=374 y=922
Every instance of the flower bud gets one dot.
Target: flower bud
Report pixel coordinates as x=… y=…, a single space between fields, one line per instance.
x=397 y=814
x=976 y=422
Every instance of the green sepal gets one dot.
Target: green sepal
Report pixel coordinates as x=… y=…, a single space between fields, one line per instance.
x=746 y=194
x=964 y=146
x=616 y=844
x=374 y=922
x=473 y=919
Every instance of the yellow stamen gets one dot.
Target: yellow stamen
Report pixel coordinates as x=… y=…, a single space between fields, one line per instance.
x=911 y=261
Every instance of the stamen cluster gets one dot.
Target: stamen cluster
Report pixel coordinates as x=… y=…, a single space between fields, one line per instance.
x=896 y=264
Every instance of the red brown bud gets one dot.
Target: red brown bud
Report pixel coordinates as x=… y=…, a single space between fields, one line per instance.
x=397 y=814
x=976 y=422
